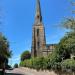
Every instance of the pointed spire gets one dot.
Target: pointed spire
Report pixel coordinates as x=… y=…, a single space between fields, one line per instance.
x=38 y=16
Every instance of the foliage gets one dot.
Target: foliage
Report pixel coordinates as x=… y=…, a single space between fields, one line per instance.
x=60 y=59
x=69 y=23
x=36 y=63
x=8 y=66
x=16 y=65
x=4 y=47
x=66 y=46
x=62 y=52
x=25 y=55
x=40 y=63
x=53 y=61
x=5 y=53
x=68 y=64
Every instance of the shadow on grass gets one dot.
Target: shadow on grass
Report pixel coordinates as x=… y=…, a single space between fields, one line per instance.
x=12 y=74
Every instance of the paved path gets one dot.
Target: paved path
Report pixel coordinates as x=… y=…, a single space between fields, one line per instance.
x=18 y=71
x=27 y=71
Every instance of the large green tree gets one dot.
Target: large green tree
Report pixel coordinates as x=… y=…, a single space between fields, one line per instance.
x=25 y=55
x=5 y=52
x=66 y=46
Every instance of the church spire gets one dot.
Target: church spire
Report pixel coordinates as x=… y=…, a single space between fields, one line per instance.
x=38 y=16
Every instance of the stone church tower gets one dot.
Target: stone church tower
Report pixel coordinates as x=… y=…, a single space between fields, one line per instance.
x=39 y=47
x=38 y=34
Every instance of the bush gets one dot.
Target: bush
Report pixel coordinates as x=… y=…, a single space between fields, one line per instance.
x=16 y=65
x=40 y=63
x=68 y=64
x=36 y=63
x=49 y=63
x=26 y=63
x=53 y=61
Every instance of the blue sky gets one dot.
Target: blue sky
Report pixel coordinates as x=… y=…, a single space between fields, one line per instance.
x=18 y=19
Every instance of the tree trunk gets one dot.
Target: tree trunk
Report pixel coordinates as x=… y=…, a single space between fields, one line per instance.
x=3 y=69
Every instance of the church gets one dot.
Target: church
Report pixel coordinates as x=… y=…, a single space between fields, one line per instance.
x=39 y=47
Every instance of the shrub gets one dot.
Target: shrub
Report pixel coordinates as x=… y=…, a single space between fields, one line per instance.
x=36 y=63
x=68 y=64
x=40 y=63
x=16 y=65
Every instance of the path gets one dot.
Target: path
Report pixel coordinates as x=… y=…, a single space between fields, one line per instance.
x=26 y=71
x=18 y=71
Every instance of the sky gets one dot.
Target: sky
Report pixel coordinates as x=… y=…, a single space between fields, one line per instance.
x=18 y=18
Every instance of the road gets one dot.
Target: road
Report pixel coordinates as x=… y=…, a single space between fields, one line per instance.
x=18 y=71
x=27 y=71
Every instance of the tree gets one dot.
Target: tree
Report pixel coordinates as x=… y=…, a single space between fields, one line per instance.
x=5 y=53
x=66 y=46
x=4 y=47
x=60 y=58
x=16 y=65
x=69 y=23
x=25 y=55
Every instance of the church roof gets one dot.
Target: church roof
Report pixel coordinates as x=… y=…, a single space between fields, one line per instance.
x=51 y=45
